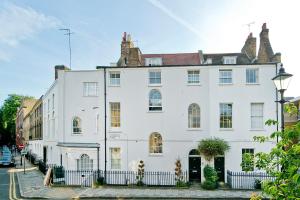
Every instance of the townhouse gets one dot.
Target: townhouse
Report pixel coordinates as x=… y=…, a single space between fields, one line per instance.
x=157 y=107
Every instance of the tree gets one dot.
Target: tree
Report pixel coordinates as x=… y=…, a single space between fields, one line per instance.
x=212 y=147
x=282 y=162
x=8 y=117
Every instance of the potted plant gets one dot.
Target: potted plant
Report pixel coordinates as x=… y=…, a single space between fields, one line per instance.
x=212 y=147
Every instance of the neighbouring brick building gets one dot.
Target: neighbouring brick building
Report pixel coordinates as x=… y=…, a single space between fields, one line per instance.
x=22 y=137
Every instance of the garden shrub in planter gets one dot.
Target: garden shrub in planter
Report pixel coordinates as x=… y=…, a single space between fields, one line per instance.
x=211 y=178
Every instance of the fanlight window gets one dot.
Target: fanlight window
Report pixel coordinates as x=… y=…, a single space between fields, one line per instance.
x=194 y=116
x=155 y=100
x=84 y=163
x=76 y=125
x=155 y=143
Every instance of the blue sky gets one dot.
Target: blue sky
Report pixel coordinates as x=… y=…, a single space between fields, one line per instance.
x=31 y=44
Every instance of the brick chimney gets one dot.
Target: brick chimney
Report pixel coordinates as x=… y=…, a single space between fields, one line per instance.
x=59 y=67
x=130 y=55
x=249 y=47
x=265 y=52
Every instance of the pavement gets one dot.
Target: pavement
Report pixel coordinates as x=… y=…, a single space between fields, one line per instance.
x=31 y=186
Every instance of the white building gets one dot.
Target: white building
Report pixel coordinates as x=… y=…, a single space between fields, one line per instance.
x=157 y=107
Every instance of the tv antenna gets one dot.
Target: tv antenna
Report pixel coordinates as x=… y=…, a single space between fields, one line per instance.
x=249 y=26
x=68 y=33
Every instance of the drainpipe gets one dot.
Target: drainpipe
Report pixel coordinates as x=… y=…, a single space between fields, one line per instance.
x=105 y=116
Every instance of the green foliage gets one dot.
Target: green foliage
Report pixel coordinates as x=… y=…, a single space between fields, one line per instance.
x=210 y=173
x=8 y=118
x=282 y=162
x=141 y=173
x=211 y=178
x=213 y=147
x=247 y=162
x=209 y=185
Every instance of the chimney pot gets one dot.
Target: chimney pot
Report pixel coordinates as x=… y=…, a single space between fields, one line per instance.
x=264 y=26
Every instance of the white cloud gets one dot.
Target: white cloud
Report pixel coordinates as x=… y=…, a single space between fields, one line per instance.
x=175 y=17
x=20 y=23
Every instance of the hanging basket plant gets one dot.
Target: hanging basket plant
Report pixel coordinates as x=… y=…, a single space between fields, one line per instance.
x=212 y=147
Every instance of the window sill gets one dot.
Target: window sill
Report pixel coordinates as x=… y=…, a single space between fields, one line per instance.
x=155 y=154
x=115 y=131
x=77 y=134
x=221 y=84
x=194 y=129
x=226 y=129
x=155 y=111
x=114 y=85
x=154 y=85
x=252 y=83
x=90 y=96
x=193 y=84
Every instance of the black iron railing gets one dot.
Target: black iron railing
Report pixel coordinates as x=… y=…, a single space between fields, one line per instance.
x=88 y=177
x=247 y=180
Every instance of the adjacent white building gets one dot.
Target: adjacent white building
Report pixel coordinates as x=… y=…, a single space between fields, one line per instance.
x=157 y=107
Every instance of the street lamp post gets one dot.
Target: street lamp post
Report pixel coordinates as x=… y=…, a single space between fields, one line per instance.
x=281 y=81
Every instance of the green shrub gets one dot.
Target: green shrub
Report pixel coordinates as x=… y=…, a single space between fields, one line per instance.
x=211 y=178
x=210 y=174
x=181 y=184
x=209 y=185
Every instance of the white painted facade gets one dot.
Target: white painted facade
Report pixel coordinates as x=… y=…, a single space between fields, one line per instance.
x=137 y=122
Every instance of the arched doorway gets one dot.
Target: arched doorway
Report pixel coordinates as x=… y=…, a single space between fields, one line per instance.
x=194 y=165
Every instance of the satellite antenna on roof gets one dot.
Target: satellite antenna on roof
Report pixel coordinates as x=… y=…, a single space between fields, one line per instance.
x=68 y=33
x=249 y=25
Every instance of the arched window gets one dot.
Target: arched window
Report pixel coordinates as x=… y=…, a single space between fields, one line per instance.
x=155 y=143
x=194 y=116
x=84 y=163
x=154 y=100
x=76 y=125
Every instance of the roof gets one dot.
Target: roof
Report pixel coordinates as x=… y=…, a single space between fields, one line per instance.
x=217 y=58
x=175 y=58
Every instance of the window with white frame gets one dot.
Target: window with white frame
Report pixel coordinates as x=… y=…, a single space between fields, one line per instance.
x=194 y=116
x=90 y=89
x=115 y=115
x=247 y=165
x=48 y=105
x=229 y=60
x=193 y=76
x=114 y=78
x=225 y=115
x=153 y=61
x=225 y=76
x=155 y=100
x=84 y=163
x=154 y=77
x=115 y=158
x=257 y=115
x=155 y=143
x=76 y=125
x=252 y=76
